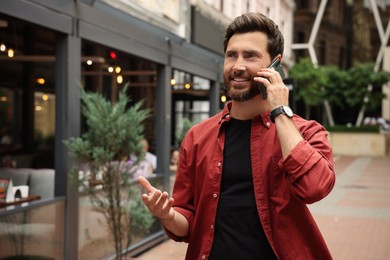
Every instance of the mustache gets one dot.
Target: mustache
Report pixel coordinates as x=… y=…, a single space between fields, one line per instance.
x=241 y=74
x=241 y=95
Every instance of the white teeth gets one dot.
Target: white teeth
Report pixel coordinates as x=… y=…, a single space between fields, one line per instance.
x=239 y=79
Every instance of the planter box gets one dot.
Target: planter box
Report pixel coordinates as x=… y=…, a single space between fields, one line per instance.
x=358 y=144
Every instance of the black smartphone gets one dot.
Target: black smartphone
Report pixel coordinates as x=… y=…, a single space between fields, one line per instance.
x=278 y=67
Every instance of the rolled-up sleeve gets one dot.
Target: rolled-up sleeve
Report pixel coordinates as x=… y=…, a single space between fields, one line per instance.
x=309 y=166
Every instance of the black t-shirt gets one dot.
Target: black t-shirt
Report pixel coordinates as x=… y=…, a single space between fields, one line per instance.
x=238 y=231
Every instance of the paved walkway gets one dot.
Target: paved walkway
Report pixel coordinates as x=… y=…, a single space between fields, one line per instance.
x=354 y=218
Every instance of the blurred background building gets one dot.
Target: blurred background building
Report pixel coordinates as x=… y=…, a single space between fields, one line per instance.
x=170 y=52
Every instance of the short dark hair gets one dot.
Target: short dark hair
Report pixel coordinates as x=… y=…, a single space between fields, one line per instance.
x=257 y=22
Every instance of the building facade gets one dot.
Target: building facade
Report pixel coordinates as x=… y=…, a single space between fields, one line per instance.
x=349 y=33
x=331 y=40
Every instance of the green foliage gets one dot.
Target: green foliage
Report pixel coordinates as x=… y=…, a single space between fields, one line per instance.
x=344 y=89
x=140 y=220
x=334 y=86
x=113 y=133
x=181 y=132
x=309 y=80
x=358 y=79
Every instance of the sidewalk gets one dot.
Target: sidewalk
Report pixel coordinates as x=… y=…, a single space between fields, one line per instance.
x=354 y=218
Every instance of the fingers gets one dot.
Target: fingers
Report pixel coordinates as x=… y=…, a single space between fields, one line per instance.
x=146 y=184
x=165 y=207
x=277 y=92
x=158 y=203
x=272 y=76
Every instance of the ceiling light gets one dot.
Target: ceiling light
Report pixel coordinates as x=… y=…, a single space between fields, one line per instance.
x=11 y=53
x=119 y=79
x=40 y=81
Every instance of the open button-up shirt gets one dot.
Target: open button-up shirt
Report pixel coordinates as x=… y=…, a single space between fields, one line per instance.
x=283 y=188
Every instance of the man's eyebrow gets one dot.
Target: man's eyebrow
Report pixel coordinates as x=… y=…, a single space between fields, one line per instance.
x=252 y=52
x=244 y=51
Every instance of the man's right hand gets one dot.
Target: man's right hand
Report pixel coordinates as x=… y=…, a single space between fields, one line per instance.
x=160 y=206
x=156 y=201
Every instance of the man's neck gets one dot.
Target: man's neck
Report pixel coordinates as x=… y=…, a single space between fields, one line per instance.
x=248 y=109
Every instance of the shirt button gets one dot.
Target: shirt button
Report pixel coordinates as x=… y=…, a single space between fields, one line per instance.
x=211 y=226
x=203 y=257
x=215 y=195
x=219 y=164
x=268 y=124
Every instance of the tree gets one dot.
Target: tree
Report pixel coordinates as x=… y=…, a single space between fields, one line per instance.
x=333 y=89
x=310 y=81
x=113 y=133
x=366 y=91
x=181 y=132
x=339 y=88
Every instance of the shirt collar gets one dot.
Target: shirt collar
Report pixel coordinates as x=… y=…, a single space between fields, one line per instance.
x=264 y=117
x=225 y=115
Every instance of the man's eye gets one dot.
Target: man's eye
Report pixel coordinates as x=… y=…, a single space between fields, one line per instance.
x=251 y=55
x=229 y=55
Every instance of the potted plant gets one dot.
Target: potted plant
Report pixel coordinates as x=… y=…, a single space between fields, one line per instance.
x=101 y=170
x=182 y=130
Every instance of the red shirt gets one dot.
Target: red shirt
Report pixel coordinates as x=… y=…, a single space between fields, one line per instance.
x=282 y=187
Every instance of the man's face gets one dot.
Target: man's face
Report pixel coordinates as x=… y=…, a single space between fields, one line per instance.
x=245 y=55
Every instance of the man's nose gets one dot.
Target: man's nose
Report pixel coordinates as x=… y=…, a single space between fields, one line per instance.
x=239 y=65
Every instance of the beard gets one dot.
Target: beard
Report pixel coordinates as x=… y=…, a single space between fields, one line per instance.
x=243 y=94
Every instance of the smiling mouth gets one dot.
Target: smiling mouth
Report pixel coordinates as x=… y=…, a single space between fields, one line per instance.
x=240 y=83
x=240 y=79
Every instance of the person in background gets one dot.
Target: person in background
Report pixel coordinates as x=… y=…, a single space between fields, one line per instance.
x=148 y=155
x=246 y=175
x=174 y=160
x=147 y=165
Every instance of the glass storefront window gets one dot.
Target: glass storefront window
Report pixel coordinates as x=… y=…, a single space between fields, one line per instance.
x=190 y=97
x=10 y=138
x=106 y=71
x=27 y=105
x=36 y=233
x=201 y=83
x=95 y=238
x=44 y=114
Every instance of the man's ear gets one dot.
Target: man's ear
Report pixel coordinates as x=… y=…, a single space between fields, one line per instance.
x=279 y=56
